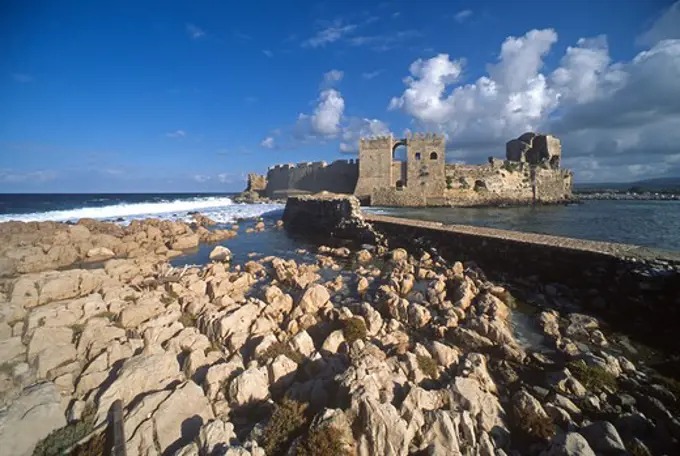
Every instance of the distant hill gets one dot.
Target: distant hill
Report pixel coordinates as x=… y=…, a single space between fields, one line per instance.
x=660 y=184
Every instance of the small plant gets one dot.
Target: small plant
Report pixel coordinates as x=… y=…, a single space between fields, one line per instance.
x=94 y=447
x=354 y=329
x=61 y=439
x=535 y=426
x=428 y=366
x=77 y=329
x=323 y=441
x=280 y=348
x=284 y=425
x=592 y=377
x=130 y=298
x=449 y=182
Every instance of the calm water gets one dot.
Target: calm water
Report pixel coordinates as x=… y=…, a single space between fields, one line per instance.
x=647 y=223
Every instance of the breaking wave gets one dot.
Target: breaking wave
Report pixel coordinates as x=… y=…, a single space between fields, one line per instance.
x=220 y=209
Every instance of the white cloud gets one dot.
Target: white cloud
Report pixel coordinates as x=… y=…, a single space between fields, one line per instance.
x=666 y=26
x=384 y=42
x=176 y=134
x=268 y=142
x=462 y=15
x=268 y=53
x=357 y=128
x=371 y=74
x=616 y=119
x=201 y=178
x=326 y=118
x=22 y=77
x=194 y=32
x=329 y=34
x=332 y=77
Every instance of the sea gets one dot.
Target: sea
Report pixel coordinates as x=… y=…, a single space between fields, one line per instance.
x=653 y=224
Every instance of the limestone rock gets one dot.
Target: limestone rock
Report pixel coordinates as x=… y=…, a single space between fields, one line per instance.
x=281 y=371
x=220 y=253
x=364 y=256
x=251 y=385
x=38 y=411
x=302 y=343
x=139 y=375
x=185 y=242
x=100 y=253
x=603 y=437
x=333 y=341
x=218 y=374
x=216 y=435
x=179 y=418
x=383 y=431
x=439 y=435
x=444 y=354
x=10 y=349
x=570 y=444
x=314 y=298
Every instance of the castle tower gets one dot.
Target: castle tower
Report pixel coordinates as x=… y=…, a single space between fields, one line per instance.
x=375 y=165
x=426 y=169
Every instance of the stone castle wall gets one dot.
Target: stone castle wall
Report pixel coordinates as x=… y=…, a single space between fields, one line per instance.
x=338 y=177
x=531 y=173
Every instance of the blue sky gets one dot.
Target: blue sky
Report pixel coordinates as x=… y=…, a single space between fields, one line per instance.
x=149 y=96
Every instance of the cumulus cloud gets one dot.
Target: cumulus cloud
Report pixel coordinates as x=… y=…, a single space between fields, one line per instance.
x=268 y=142
x=666 y=26
x=615 y=119
x=194 y=32
x=356 y=128
x=462 y=15
x=325 y=121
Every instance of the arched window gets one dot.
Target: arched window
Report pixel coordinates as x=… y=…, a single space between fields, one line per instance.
x=417 y=155
x=400 y=185
x=433 y=156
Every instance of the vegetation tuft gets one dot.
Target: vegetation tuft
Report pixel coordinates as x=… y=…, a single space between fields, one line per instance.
x=428 y=366
x=64 y=438
x=285 y=424
x=593 y=378
x=280 y=348
x=354 y=329
x=534 y=426
x=322 y=441
x=96 y=446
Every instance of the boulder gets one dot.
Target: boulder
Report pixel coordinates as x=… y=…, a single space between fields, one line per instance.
x=382 y=430
x=603 y=438
x=440 y=434
x=570 y=444
x=251 y=385
x=333 y=342
x=185 y=242
x=314 y=298
x=11 y=349
x=38 y=411
x=302 y=343
x=282 y=371
x=220 y=253
x=100 y=253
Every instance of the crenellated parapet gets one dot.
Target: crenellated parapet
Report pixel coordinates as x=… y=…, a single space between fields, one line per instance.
x=376 y=142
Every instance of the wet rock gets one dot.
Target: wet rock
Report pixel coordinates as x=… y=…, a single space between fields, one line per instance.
x=364 y=256
x=220 y=253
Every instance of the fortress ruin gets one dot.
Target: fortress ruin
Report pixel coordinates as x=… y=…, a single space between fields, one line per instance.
x=530 y=173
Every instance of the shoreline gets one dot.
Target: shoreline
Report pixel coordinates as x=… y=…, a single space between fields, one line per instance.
x=370 y=348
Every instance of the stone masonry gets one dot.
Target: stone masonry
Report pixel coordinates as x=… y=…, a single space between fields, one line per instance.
x=530 y=174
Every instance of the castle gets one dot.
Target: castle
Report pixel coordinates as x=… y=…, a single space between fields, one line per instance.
x=530 y=173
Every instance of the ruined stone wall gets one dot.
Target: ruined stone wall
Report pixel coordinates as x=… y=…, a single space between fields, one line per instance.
x=338 y=177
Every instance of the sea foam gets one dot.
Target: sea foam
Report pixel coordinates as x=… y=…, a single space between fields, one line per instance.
x=220 y=209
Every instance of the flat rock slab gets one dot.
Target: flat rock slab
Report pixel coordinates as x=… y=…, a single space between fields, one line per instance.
x=30 y=418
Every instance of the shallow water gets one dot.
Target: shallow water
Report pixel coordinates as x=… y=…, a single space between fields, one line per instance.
x=648 y=223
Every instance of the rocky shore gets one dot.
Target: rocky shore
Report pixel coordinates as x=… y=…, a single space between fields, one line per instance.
x=615 y=196
x=366 y=350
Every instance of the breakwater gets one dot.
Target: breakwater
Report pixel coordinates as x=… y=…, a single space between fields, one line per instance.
x=635 y=289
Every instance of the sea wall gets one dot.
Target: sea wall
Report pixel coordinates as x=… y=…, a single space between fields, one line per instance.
x=637 y=290
x=338 y=177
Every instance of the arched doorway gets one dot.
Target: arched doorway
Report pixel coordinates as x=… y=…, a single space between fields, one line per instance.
x=399 y=164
